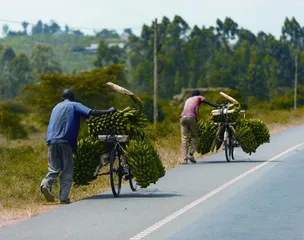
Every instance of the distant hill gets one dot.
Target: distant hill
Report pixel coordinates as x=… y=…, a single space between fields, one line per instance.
x=70 y=50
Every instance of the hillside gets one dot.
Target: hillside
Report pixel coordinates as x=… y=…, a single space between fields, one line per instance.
x=62 y=45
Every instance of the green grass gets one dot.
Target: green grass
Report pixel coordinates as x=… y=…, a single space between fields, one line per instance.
x=275 y=116
x=23 y=165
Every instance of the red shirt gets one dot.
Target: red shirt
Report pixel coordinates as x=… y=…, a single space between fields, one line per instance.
x=191 y=106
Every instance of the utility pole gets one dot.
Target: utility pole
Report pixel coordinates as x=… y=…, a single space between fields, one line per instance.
x=296 y=72
x=296 y=79
x=155 y=115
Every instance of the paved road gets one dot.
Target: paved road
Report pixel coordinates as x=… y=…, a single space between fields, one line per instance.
x=250 y=198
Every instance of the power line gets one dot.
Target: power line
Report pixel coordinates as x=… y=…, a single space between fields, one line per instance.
x=72 y=27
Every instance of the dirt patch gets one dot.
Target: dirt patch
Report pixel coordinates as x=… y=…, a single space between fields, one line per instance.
x=278 y=127
x=12 y=216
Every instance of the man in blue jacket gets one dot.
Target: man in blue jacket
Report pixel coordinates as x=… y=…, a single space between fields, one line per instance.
x=61 y=139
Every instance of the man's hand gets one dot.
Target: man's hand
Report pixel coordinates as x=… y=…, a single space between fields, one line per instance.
x=112 y=109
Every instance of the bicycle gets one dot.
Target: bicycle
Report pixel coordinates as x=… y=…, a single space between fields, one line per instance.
x=118 y=167
x=227 y=128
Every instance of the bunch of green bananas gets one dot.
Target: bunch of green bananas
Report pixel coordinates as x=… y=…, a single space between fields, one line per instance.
x=246 y=138
x=207 y=132
x=144 y=162
x=259 y=130
x=86 y=160
x=127 y=121
x=251 y=133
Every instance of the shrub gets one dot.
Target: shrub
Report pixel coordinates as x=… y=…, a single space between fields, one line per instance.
x=14 y=107
x=11 y=127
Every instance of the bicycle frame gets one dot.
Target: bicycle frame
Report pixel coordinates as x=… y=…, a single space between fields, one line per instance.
x=114 y=149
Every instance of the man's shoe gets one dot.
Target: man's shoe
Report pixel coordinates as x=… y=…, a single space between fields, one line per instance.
x=47 y=194
x=191 y=158
x=65 y=201
x=185 y=161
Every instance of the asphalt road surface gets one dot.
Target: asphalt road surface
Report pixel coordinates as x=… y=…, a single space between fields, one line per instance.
x=253 y=197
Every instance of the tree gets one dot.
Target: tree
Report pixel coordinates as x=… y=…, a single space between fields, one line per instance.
x=77 y=33
x=257 y=77
x=108 y=55
x=88 y=88
x=46 y=29
x=128 y=31
x=25 y=25
x=245 y=35
x=6 y=81
x=8 y=55
x=241 y=60
x=43 y=60
x=292 y=31
x=106 y=34
x=38 y=28
x=226 y=30
x=5 y=30
x=66 y=29
x=21 y=73
x=54 y=27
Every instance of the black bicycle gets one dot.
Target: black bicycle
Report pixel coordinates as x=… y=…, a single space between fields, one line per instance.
x=227 y=128
x=119 y=169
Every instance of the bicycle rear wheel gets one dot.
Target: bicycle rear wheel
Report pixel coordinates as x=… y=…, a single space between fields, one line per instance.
x=133 y=183
x=116 y=172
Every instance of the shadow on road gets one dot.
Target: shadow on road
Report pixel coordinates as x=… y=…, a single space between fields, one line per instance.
x=138 y=194
x=234 y=161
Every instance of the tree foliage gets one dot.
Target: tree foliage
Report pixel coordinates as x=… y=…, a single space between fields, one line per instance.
x=43 y=60
x=88 y=88
x=221 y=56
x=224 y=55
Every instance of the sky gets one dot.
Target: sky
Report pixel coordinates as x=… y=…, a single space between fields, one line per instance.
x=90 y=15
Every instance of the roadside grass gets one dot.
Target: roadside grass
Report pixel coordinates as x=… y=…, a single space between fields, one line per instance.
x=23 y=164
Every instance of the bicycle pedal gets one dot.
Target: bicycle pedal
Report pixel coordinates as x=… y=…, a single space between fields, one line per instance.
x=128 y=177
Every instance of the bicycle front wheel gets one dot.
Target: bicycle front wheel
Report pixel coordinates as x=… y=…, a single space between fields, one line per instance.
x=232 y=143
x=227 y=145
x=115 y=172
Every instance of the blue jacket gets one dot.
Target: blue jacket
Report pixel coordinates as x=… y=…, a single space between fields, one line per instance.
x=64 y=123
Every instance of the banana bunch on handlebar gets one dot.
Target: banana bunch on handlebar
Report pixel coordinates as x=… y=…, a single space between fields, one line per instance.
x=231 y=111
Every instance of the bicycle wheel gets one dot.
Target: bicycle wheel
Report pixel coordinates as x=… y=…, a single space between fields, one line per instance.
x=227 y=145
x=115 y=172
x=133 y=183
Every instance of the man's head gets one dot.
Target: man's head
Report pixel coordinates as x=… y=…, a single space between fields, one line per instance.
x=196 y=93
x=68 y=94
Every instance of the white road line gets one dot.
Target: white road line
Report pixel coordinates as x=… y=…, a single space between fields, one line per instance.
x=174 y=215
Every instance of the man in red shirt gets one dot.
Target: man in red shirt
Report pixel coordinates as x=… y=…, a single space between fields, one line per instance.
x=188 y=123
